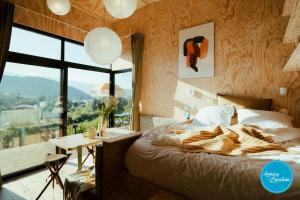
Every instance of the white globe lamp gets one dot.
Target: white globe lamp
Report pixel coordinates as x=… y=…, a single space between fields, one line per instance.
x=120 y=8
x=103 y=45
x=59 y=7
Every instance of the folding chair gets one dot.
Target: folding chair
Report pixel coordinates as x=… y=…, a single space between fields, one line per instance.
x=54 y=163
x=91 y=151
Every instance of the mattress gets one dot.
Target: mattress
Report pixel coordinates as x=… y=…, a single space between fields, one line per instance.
x=209 y=176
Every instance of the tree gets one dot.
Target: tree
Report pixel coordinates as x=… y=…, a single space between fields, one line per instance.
x=121 y=105
x=7 y=137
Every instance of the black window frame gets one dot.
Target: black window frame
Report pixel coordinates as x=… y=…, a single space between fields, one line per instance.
x=21 y=58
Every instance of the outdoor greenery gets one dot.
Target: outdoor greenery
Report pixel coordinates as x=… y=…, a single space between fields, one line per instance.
x=7 y=137
x=107 y=107
x=86 y=115
x=27 y=107
x=83 y=113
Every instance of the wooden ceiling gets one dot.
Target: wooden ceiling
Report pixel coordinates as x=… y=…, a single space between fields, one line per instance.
x=96 y=7
x=91 y=10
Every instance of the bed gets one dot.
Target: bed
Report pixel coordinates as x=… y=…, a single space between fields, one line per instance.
x=153 y=169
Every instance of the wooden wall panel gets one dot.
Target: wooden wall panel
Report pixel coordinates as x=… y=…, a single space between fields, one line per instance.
x=249 y=54
x=83 y=17
x=74 y=25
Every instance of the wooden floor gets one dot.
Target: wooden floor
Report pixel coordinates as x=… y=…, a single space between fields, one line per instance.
x=29 y=186
x=20 y=158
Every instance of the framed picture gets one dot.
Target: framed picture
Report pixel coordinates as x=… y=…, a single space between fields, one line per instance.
x=196 y=51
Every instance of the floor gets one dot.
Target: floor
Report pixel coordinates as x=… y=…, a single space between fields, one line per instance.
x=29 y=186
x=19 y=159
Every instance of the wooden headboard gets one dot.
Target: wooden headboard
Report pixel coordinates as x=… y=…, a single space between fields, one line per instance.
x=244 y=102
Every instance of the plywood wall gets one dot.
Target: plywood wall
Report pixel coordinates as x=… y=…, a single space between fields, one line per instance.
x=249 y=54
x=83 y=17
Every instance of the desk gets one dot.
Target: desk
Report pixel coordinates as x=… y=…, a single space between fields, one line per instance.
x=76 y=142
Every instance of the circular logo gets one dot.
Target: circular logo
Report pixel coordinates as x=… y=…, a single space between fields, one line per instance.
x=276 y=177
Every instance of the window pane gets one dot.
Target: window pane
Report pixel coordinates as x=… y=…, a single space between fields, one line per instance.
x=123 y=90
x=121 y=64
x=86 y=90
x=29 y=115
x=27 y=42
x=75 y=53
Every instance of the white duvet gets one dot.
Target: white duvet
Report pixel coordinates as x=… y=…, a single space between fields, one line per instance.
x=202 y=176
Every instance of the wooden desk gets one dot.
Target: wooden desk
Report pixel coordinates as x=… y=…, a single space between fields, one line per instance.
x=76 y=142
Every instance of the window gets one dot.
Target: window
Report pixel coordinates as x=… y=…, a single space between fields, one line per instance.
x=29 y=115
x=123 y=90
x=121 y=64
x=86 y=90
x=31 y=43
x=33 y=95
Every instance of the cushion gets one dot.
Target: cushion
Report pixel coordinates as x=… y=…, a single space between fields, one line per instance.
x=214 y=115
x=264 y=119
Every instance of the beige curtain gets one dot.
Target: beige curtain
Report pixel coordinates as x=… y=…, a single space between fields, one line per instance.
x=137 y=48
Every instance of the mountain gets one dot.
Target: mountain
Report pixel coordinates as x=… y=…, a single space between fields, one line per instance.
x=84 y=87
x=36 y=87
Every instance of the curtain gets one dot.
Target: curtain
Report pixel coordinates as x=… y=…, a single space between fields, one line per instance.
x=6 y=21
x=137 y=48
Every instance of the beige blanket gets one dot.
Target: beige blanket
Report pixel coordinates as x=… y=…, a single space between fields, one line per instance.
x=235 y=140
x=200 y=175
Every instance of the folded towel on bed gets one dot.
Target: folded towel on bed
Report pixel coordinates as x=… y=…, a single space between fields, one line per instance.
x=234 y=140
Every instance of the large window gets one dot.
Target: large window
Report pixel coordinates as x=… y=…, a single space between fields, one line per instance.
x=29 y=115
x=86 y=90
x=49 y=88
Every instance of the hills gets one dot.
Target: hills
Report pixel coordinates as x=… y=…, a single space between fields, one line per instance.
x=37 y=87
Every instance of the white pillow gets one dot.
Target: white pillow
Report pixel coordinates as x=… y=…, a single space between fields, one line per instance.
x=264 y=119
x=214 y=115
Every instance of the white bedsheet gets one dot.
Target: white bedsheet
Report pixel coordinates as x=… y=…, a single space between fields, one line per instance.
x=202 y=176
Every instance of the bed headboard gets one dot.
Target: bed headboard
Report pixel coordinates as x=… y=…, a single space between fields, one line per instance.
x=244 y=102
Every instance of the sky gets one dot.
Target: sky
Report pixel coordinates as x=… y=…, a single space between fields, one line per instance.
x=35 y=44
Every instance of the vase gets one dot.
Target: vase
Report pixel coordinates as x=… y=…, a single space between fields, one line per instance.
x=103 y=127
x=91 y=133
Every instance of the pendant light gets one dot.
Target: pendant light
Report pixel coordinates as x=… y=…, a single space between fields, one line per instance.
x=103 y=45
x=59 y=7
x=120 y=8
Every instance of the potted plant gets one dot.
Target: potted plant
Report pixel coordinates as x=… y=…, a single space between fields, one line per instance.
x=105 y=109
